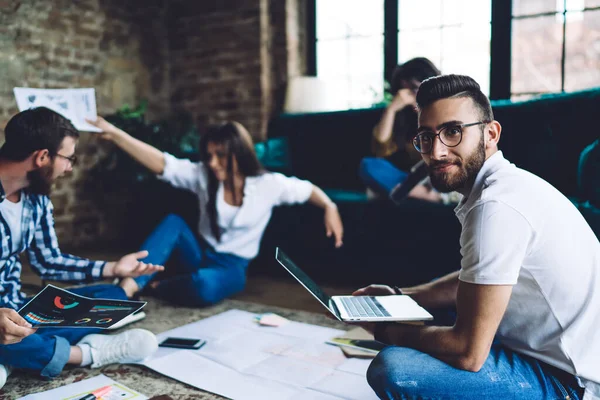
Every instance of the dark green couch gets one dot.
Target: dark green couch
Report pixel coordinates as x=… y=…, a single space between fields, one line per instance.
x=417 y=240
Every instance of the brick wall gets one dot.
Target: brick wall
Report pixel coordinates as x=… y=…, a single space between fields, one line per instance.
x=229 y=59
x=217 y=59
x=110 y=45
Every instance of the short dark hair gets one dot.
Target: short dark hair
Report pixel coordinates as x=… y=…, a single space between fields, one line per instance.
x=35 y=129
x=416 y=69
x=456 y=86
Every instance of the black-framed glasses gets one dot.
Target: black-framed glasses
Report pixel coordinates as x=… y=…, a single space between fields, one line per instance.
x=72 y=159
x=450 y=136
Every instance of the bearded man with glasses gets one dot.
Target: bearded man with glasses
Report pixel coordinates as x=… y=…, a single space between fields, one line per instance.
x=39 y=148
x=526 y=300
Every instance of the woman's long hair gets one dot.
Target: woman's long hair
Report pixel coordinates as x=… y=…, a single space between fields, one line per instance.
x=237 y=142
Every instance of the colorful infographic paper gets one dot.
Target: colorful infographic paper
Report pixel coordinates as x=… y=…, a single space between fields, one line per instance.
x=77 y=390
x=54 y=307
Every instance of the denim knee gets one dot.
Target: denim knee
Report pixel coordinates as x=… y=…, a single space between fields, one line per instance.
x=391 y=374
x=209 y=289
x=173 y=219
x=378 y=375
x=364 y=169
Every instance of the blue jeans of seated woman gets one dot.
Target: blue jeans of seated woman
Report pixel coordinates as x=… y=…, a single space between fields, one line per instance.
x=47 y=351
x=403 y=373
x=380 y=175
x=203 y=276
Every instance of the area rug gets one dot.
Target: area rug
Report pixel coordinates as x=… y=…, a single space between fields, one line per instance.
x=161 y=317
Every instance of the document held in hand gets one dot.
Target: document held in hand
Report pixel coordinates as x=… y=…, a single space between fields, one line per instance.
x=56 y=307
x=77 y=105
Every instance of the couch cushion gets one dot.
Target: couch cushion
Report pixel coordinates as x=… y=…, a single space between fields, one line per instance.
x=546 y=135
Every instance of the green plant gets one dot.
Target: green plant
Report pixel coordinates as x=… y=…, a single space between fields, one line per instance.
x=387 y=97
x=176 y=135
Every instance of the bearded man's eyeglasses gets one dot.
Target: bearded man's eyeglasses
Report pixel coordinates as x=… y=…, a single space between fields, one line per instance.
x=72 y=159
x=450 y=136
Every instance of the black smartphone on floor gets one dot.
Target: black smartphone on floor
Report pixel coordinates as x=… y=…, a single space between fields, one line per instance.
x=182 y=343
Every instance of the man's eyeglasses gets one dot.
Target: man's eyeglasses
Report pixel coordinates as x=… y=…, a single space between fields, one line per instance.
x=72 y=159
x=450 y=136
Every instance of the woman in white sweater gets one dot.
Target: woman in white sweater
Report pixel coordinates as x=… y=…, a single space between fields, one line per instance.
x=236 y=197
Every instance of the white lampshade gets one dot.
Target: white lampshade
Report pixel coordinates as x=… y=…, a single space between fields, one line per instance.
x=310 y=94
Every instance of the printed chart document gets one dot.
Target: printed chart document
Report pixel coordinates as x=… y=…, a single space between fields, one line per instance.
x=244 y=360
x=74 y=104
x=54 y=307
x=79 y=389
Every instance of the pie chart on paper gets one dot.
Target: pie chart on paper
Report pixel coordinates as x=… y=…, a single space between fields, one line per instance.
x=58 y=302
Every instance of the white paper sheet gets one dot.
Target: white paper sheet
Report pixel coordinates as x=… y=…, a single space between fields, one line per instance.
x=211 y=376
x=81 y=388
x=243 y=360
x=74 y=104
x=346 y=386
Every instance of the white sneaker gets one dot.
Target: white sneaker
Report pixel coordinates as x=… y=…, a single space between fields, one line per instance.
x=4 y=373
x=128 y=347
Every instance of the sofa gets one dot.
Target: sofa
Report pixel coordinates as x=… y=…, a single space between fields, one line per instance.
x=415 y=241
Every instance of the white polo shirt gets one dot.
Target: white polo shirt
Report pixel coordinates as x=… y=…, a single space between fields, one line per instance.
x=519 y=230
x=242 y=227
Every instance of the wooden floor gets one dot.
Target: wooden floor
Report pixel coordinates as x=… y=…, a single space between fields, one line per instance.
x=281 y=291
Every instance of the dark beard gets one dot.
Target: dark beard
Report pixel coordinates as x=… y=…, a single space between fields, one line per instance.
x=40 y=181
x=445 y=183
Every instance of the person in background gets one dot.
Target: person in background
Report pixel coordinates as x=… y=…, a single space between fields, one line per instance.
x=236 y=197
x=40 y=148
x=395 y=156
x=526 y=296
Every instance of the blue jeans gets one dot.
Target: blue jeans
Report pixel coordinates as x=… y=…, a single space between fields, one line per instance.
x=403 y=373
x=47 y=351
x=203 y=276
x=380 y=175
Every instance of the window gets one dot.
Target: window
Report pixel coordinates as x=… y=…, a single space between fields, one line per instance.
x=350 y=37
x=349 y=47
x=454 y=34
x=555 y=46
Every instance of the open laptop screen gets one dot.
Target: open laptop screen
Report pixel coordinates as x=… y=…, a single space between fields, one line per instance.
x=301 y=277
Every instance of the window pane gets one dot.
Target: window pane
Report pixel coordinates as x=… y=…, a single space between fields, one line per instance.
x=423 y=43
x=350 y=49
x=592 y=3
x=419 y=14
x=354 y=67
x=528 y=7
x=332 y=58
x=458 y=43
x=365 y=55
x=344 y=18
x=572 y=5
x=536 y=55
x=365 y=91
x=466 y=12
x=582 y=65
x=466 y=51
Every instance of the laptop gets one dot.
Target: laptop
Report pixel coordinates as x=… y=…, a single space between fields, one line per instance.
x=358 y=308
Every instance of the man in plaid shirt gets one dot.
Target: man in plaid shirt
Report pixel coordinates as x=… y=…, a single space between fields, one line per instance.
x=39 y=148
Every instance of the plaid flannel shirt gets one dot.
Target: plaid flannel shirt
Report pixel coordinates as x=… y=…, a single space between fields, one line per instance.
x=39 y=239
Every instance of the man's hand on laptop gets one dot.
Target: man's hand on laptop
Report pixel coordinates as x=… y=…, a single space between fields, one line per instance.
x=130 y=266
x=375 y=290
x=13 y=327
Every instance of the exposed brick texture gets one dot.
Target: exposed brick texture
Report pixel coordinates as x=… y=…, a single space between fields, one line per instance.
x=217 y=59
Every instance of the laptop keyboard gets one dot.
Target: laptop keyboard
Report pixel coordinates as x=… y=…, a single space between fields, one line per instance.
x=364 y=306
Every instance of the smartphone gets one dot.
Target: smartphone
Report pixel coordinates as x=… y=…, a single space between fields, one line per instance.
x=182 y=343
x=360 y=344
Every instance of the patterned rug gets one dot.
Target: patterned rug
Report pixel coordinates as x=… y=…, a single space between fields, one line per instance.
x=160 y=317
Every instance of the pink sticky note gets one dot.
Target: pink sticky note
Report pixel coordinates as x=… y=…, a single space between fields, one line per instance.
x=272 y=320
